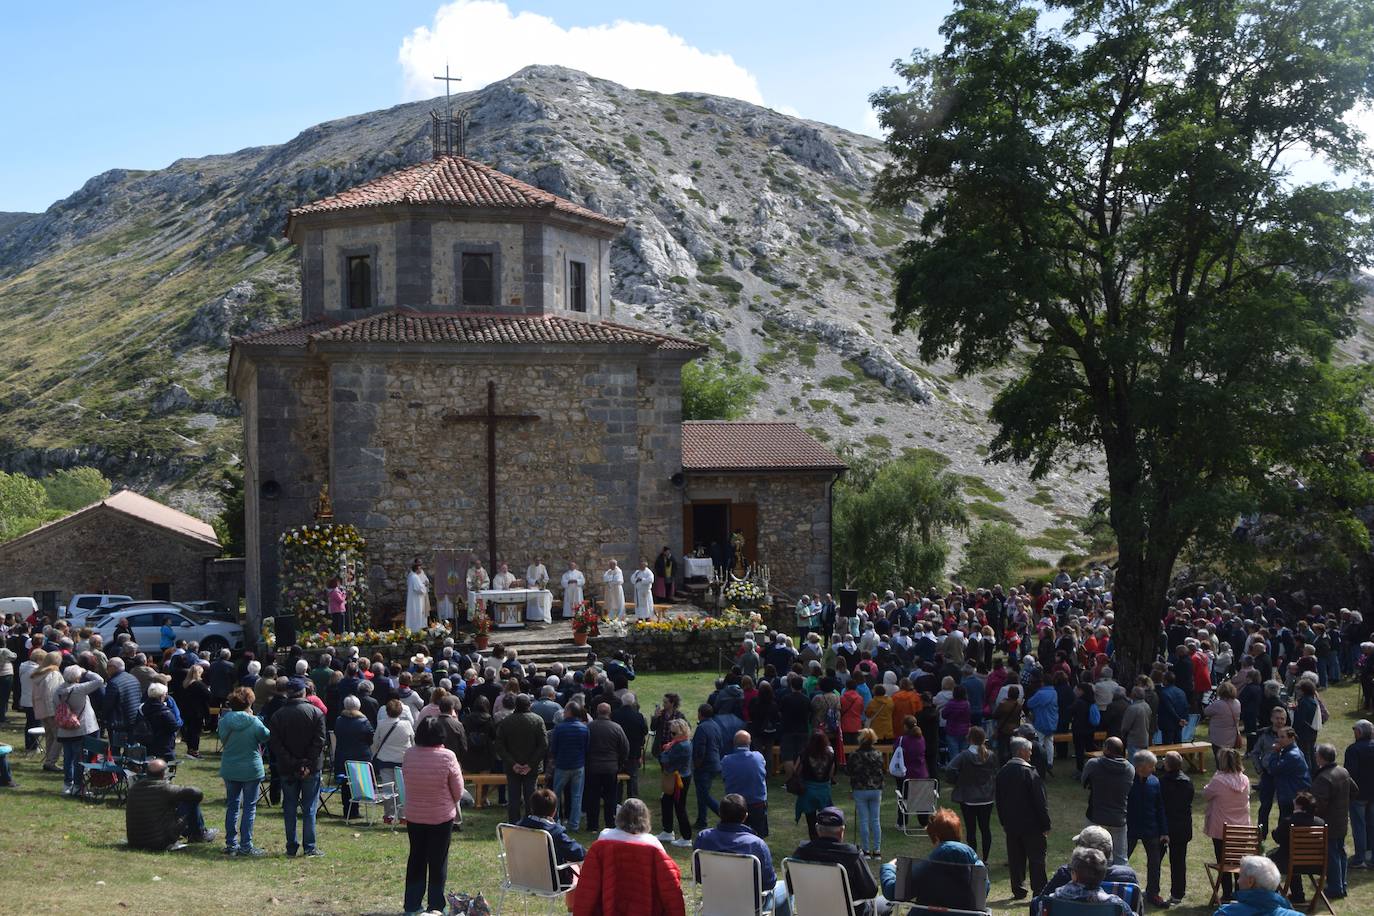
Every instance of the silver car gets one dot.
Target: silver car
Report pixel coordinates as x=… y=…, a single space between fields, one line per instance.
x=146 y=621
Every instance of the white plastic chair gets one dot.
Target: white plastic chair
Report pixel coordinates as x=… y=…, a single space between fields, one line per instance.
x=818 y=888
x=918 y=796
x=729 y=884
x=529 y=865
x=365 y=792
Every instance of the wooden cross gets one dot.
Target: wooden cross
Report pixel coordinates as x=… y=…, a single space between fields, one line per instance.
x=490 y=417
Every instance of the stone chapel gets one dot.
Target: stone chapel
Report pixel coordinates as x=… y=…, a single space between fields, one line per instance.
x=456 y=380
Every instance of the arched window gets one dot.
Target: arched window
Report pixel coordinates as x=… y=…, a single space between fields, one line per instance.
x=360 y=282
x=477 y=279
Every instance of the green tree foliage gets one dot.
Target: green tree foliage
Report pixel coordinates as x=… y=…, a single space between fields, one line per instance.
x=1112 y=194
x=712 y=390
x=892 y=521
x=75 y=488
x=229 y=523
x=994 y=554
x=23 y=505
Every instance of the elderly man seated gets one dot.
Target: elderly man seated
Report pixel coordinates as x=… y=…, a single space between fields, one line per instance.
x=734 y=835
x=1089 y=868
x=158 y=814
x=1098 y=838
x=830 y=847
x=1257 y=891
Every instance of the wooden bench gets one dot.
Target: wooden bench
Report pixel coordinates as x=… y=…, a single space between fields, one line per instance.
x=480 y=782
x=1067 y=738
x=1194 y=753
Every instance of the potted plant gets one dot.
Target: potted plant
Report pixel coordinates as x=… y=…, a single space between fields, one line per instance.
x=481 y=625
x=584 y=623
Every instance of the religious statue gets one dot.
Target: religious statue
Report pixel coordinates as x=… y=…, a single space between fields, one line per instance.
x=324 y=507
x=572 y=583
x=737 y=542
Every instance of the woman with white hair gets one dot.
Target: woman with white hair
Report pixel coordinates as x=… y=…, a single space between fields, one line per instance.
x=162 y=720
x=1257 y=891
x=353 y=735
x=75 y=715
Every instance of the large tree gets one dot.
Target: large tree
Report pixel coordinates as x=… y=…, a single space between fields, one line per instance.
x=1109 y=209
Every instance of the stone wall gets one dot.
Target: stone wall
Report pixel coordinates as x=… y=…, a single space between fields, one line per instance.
x=569 y=484
x=704 y=650
x=793 y=523
x=105 y=551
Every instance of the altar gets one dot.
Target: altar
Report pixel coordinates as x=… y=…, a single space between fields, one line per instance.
x=508 y=603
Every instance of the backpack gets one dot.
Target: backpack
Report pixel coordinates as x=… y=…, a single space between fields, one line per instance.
x=1094 y=714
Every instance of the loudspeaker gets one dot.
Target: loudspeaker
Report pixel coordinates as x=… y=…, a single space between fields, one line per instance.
x=849 y=602
x=286 y=630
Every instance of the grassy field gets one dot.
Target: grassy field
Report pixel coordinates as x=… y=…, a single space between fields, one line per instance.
x=363 y=869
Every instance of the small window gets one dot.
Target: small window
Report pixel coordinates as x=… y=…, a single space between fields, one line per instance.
x=477 y=280
x=160 y=591
x=360 y=282
x=577 y=286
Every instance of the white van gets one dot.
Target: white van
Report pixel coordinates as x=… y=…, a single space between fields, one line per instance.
x=21 y=608
x=81 y=605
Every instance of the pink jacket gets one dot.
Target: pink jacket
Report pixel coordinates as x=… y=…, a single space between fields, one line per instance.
x=1228 y=802
x=433 y=785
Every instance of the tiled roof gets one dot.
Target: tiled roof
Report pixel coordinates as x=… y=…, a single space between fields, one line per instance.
x=409 y=326
x=451 y=180
x=129 y=503
x=288 y=335
x=718 y=445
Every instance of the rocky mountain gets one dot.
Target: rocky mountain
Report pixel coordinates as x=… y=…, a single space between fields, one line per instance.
x=748 y=229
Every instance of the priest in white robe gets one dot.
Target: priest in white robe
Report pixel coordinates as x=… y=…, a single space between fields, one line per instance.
x=504 y=578
x=417 y=597
x=507 y=613
x=537 y=607
x=643 y=580
x=478 y=580
x=573 y=580
x=613 y=582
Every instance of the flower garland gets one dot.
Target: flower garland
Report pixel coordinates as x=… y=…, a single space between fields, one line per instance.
x=359 y=638
x=693 y=623
x=310 y=556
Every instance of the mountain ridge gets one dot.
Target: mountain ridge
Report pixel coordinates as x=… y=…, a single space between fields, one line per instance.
x=747 y=229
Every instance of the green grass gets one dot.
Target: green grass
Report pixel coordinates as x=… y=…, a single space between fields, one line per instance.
x=988 y=512
x=977 y=486
x=363 y=867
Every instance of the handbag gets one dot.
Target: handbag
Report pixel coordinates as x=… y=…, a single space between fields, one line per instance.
x=672 y=783
x=794 y=782
x=896 y=765
x=1240 y=736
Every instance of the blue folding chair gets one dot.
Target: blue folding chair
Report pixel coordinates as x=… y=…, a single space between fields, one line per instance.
x=102 y=777
x=365 y=791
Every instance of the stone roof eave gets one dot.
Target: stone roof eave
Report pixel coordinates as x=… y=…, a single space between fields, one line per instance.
x=440 y=212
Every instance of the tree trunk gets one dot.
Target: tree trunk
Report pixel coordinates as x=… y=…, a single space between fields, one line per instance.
x=1139 y=596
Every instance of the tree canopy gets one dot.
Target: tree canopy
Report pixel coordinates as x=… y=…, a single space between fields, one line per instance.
x=712 y=390
x=75 y=488
x=891 y=523
x=1109 y=209
x=994 y=554
x=26 y=503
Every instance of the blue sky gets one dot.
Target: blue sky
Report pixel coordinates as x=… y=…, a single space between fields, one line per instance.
x=93 y=86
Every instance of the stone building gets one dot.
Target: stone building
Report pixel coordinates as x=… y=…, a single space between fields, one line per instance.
x=456 y=382
x=125 y=544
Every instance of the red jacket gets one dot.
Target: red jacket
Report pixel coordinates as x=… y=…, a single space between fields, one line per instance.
x=1202 y=672
x=628 y=879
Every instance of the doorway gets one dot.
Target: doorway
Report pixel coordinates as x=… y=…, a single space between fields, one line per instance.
x=709 y=523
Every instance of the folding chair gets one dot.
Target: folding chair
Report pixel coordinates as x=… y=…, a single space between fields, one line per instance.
x=1189 y=731
x=366 y=793
x=1057 y=907
x=134 y=760
x=1307 y=857
x=818 y=888
x=101 y=776
x=1133 y=894
x=401 y=797
x=729 y=884
x=1237 y=842
x=918 y=796
x=529 y=866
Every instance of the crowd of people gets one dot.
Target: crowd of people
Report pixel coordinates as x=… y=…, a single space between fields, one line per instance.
x=974 y=688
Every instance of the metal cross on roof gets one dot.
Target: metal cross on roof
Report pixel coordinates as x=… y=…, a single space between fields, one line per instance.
x=447 y=80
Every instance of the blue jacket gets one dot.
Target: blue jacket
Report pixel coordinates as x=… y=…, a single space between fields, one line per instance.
x=565 y=848
x=707 y=745
x=163 y=720
x=1359 y=761
x=678 y=757
x=1289 y=771
x=241 y=734
x=352 y=740
x=568 y=744
x=1044 y=707
x=1173 y=704
x=123 y=697
x=739 y=839
x=1254 y=901
x=976 y=690
x=1145 y=817
x=745 y=774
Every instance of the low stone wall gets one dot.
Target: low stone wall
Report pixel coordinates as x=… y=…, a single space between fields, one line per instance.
x=684 y=650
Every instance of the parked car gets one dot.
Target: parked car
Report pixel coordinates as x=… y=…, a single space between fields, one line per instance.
x=213 y=610
x=22 y=607
x=147 y=617
x=80 y=607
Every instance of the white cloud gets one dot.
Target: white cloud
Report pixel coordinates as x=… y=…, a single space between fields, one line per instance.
x=483 y=41
x=869 y=124
x=787 y=110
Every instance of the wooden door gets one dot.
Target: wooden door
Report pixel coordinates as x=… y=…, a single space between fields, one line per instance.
x=745 y=516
